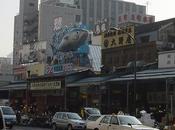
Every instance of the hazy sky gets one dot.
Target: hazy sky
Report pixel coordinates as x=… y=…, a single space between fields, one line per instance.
x=162 y=9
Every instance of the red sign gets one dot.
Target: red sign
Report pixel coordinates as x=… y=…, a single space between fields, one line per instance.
x=136 y=18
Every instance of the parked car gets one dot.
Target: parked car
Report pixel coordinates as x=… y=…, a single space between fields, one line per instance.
x=117 y=122
x=2 y=121
x=9 y=116
x=68 y=120
x=88 y=111
x=92 y=118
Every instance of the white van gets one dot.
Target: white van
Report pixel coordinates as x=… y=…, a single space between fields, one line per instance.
x=2 y=121
x=9 y=116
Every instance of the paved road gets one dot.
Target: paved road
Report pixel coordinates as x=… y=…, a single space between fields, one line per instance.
x=28 y=128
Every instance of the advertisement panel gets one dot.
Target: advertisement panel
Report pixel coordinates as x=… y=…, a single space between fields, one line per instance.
x=34 y=52
x=136 y=18
x=118 y=38
x=36 y=69
x=52 y=85
x=59 y=68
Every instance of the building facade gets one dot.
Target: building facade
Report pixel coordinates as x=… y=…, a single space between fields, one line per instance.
x=55 y=15
x=166 y=59
x=116 y=12
x=5 y=69
x=25 y=27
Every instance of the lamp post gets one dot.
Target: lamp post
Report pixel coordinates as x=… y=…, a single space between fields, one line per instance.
x=135 y=60
x=27 y=91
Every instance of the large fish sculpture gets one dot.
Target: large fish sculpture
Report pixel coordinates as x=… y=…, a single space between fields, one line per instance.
x=73 y=40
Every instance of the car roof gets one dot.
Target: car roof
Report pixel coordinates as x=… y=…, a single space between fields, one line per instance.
x=118 y=115
x=67 y=112
x=5 y=106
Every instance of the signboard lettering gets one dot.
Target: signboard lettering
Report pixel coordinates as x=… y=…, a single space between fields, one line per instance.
x=117 y=38
x=46 y=85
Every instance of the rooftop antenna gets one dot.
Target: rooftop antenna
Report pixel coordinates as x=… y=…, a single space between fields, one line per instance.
x=147 y=4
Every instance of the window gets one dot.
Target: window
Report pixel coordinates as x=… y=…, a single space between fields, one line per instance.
x=64 y=117
x=168 y=62
x=141 y=9
x=93 y=118
x=31 y=4
x=59 y=115
x=120 y=8
x=77 y=18
x=99 y=9
x=114 y=120
x=105 y=120
x=127 y=7
x=125 y=120
x=144 y=39
x=134 y=8
x=91 y=10
x=169 y=56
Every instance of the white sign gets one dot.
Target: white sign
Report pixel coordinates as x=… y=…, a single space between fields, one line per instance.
x=71 y=2
x=52 y=85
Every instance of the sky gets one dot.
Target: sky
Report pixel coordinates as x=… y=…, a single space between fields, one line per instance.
x=162 y=9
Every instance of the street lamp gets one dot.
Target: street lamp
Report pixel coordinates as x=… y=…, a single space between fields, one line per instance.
x=135 y=60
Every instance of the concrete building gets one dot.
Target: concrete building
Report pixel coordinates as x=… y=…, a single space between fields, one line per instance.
x=55 y=14
x=5 y=70
x=25 y=27
x=166 y=59
x=5 y=65
x=116 y=12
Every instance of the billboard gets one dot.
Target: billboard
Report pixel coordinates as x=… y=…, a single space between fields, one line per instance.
x=71 y=2
x=100 y=27
x=33 y=52
x=136 y=18
x=36 y=69
x=69 y=48
x=52 y=85
x=117 y=38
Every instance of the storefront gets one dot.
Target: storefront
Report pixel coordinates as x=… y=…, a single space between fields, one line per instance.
x=46 y=93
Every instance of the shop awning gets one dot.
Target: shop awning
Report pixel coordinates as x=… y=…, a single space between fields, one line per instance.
x=21 y=86
x=90 y=81
x=148 y=74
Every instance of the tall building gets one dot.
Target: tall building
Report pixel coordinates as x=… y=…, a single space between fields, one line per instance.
x=25 y=27
x=55 y=14
x=115 y=11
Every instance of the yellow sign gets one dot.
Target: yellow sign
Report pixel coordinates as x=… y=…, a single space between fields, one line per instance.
x=52 y=85
x=36 y=69
x=118 y=38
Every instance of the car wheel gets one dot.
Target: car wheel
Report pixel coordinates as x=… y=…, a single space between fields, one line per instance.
x=69 y=127
x=54 y=127
x=11 y=126
x=96 y=129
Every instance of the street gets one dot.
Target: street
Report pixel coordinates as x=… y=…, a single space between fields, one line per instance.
x=28 y=128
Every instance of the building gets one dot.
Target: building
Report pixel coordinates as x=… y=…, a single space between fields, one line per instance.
x=116 y=12
x=166 y=59
x=119 y=49
x=53 y=15
x=162 y=32
x=5 y=70
x=25 y=27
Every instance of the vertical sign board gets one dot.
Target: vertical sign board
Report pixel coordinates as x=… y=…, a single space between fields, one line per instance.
x=118 y=38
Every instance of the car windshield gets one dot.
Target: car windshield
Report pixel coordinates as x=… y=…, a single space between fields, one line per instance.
x=73 y=116
x=93 y=111
x=93 y=118
x=8 y=111
x=125 y=120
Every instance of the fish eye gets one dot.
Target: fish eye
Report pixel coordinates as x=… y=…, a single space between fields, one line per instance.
x=77 y=32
